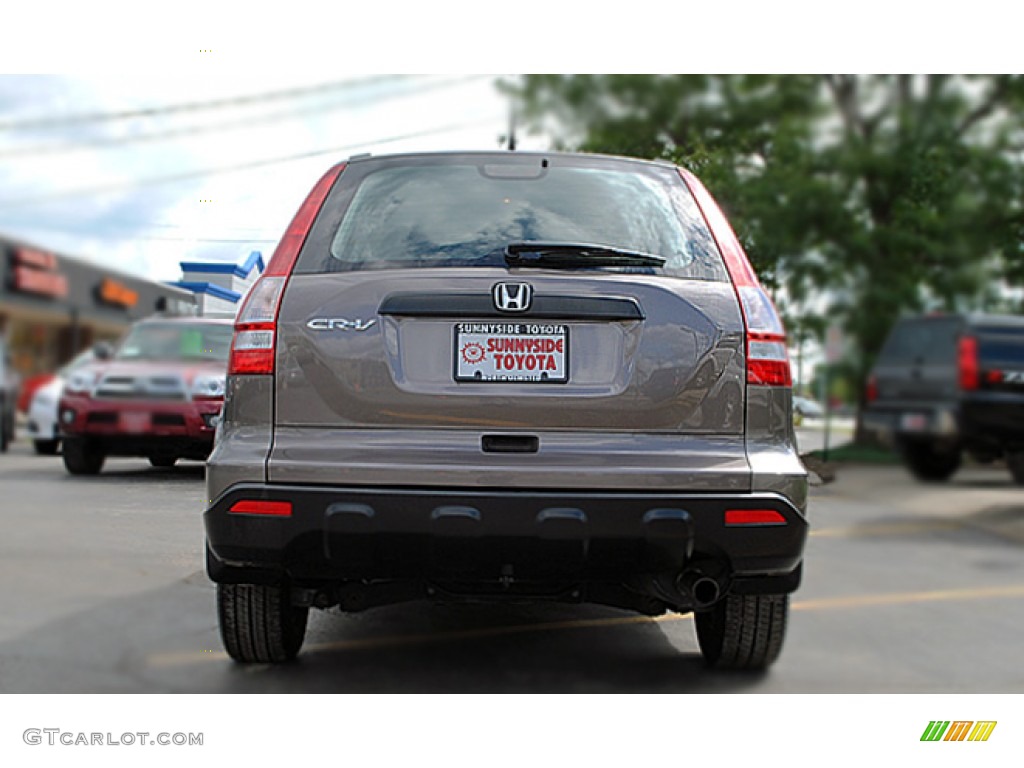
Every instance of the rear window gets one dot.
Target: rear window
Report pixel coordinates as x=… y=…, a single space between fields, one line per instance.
x=927 y=340
x=1001 y=344
x=462 y=213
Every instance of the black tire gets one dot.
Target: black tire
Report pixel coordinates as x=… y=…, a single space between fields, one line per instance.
x=930 y=464
x=743 y=631
x=46 y=447
x=82 y=457
x=1015 y=461
x=258 y=623
x=163 y=462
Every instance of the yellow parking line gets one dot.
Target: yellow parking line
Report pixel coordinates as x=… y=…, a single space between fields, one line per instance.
x=392 y=641
x=886 y=529
x=902 y=598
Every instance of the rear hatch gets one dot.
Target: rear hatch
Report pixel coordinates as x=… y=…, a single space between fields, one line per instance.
x=495 y=304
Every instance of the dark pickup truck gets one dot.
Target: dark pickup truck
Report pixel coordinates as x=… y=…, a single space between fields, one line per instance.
x=949 y=384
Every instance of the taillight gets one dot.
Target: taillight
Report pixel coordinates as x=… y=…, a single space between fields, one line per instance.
x=254 y=346
x=967 y=363
x=871 y=391
x=767 y=358
x=252 y=350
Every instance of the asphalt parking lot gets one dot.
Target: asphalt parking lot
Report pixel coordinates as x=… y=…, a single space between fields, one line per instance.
x=907 y=588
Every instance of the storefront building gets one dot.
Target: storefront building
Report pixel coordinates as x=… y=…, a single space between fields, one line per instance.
x=53 y=306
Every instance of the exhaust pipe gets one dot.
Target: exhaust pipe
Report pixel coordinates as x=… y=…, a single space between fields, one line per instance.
x=703 y=590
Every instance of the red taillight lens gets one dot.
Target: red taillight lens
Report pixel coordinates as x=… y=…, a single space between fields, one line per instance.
x=967 y=358
x=871 y=390
x=767 y=358
x=994 y=377
x=256 y=507
x=754 y=517
x=254 y=346
x=287 y=250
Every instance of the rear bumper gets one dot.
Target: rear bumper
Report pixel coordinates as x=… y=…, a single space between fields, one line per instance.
x=354 y=533
x=986 y=420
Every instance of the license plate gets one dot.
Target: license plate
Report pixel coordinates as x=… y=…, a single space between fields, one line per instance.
x=913 y=422
x=134 y=422
x=507 y=352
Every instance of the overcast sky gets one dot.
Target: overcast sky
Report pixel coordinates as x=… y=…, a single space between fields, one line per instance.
x=84 y=162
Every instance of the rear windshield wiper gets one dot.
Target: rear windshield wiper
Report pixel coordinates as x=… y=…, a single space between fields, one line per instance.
x=575 y=256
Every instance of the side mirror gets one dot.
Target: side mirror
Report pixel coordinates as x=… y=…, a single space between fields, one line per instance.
x=103 y=350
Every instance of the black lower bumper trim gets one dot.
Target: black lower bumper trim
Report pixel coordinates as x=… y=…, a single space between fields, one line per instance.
x=339 y=533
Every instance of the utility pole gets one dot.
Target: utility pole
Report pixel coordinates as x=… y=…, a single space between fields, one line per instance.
x=511 y=127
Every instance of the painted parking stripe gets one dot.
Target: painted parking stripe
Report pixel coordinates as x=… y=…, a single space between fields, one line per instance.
x=392 y=641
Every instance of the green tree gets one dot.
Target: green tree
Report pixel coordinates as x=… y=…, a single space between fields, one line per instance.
x=858 y=198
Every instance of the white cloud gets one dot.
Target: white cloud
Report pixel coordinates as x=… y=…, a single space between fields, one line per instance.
x=148 y=228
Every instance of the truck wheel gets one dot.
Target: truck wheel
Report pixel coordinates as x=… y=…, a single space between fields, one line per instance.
x=82 y=457
x=163 y=462
x=258 y=623
x=929 y=464
x=46 y=447
x=743 y=631
x=1015 y=461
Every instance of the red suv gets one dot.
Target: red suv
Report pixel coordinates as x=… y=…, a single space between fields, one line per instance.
x=158 y=395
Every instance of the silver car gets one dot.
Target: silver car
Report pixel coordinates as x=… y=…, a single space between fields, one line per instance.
x=507 y=376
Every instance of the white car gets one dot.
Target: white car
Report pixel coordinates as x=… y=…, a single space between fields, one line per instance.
x=42 y=412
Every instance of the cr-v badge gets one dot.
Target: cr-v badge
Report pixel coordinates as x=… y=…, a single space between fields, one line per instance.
x=339 y=324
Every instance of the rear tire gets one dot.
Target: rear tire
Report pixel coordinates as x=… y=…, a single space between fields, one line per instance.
x=163 y=462
x=743 y=631
x=929 y=464
x=82 y=457
x=258 y=623
x=1015 y=461
x=46 y=447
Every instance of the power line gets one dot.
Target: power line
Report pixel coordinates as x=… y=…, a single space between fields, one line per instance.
x=171 y=178
x=85 y=118
x=107 y=142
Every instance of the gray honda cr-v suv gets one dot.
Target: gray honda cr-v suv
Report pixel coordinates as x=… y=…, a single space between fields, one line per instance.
x=507 y=376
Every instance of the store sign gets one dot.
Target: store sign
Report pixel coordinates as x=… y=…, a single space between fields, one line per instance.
x=120 y=295
x=32 y=257
x=51 y=284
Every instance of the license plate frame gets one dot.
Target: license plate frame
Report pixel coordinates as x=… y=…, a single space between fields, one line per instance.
x=476 y=361
x=913 y=422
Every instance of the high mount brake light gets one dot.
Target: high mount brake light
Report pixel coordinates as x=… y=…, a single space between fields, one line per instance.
x=254 y=345
x=767 y=359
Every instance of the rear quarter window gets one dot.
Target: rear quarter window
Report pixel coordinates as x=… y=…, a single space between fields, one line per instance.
x=463 y=212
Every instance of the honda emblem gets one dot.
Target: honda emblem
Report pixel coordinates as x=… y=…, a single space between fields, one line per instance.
x=512 y=297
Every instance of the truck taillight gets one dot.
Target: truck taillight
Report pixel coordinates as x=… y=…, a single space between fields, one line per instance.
x=255 y=344
x=871 y=390
x=767 y=358
x=967 y=363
